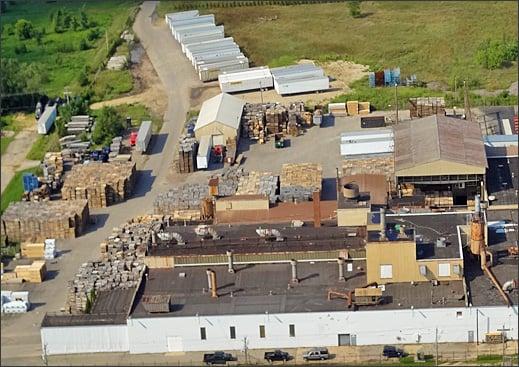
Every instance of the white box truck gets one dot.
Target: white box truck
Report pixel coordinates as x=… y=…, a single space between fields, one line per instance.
x=204 y=152
x=144 y=137
x=47 y=119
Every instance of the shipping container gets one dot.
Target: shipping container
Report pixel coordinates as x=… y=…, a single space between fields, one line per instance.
x=193 y=46
x=297 y=71
x=224 y=52
x=250 y=79
x=212 y=71
x=144 y=137
x=181 y=32
x=180 y=16
x=206 y=36
x=211 y=37
x=204 y=152
x=47 y=119
x=209 y=45
x=180 y=36
x=199 y=19
x=372 y=121
x=219 y=59
x=215 y=51
x=301 y=85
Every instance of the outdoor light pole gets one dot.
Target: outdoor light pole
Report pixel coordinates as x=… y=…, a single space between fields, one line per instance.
x=396 y=101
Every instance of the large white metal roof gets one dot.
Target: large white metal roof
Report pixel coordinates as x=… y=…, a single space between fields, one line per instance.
x=222 y=108
x=379 y=141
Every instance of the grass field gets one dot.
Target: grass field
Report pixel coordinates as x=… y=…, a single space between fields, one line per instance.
x=435 y=40
x=14 y=189
x=44 y=144
x=138 y=112
x=59 y=53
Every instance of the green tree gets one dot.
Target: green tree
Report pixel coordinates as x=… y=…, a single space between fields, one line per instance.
x=20 y=49
x=109 y=124
x=67 y=20
x=83 y=19
x=74 y=23
x=83 y=44
x=354 y=6
x=494 y=54
x=24 y=29
x=8 y=29
x=93 y=34
x=83 y=78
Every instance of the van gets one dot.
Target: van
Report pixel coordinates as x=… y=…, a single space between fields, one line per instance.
x=316 y=354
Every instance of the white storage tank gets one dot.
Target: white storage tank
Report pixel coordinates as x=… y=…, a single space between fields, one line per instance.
x=217 y=51
x=297 y=71
x=209 y=45
x=250 y=79
x=204 y=152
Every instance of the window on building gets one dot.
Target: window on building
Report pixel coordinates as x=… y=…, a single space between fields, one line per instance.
x=459 y=314
x=444 y=270
x=232 y=330
x=456 y=269
x=423 y=270
x=386 y=271
x=292 y=330
x=203 y=336
x=262 y=331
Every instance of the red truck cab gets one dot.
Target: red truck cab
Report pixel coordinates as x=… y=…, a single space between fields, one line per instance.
x=133 y=138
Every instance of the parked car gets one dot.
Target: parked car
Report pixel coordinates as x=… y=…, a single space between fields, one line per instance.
x=217 y=358
x=316 y=354
x=392 y=352
x=277 y=355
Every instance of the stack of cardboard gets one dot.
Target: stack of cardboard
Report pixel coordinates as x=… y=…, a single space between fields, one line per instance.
x=34 y=273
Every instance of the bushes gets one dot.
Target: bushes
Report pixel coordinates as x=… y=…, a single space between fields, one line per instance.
x=354 y=6
x=24 y=29
x=83 y=45
x=20 y=49
x=109 y=124
x=496 y=54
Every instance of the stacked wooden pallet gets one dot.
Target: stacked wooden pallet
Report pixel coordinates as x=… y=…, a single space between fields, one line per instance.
x=299 y=181
x=374 y=165
x=186 y=154
x=426 y=106
x=102 y=184
x=258 y=183
x=353 y=108
x=439 y=199
x=121 y=265
x=34 y=273
x=27 y=221
x=407 y=189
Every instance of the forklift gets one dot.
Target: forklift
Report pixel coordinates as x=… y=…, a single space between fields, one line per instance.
x=279 y=141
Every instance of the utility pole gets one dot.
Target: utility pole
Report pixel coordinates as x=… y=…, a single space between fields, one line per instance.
x=468 y=113
x=396 y=101
x=503 y=339
x=246 y=349
x=436 y=346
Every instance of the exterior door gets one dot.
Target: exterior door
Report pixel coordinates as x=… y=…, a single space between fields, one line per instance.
x=344 y=339
x=175 y=344
x=471 y=336
x=353 y=339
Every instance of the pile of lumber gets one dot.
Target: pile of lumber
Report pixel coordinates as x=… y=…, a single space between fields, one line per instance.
x=258 y=183
x=185 y=197
x=32 y=250
x=27 y=221
x=299 y=181
x=439 y=199
x=34 y=273
x=53 y=167
x=383 y=165
x=187 y=146
x=349 y=108
x=120 y=266
x=102 y=184
x=80 y=124
x=496 y=337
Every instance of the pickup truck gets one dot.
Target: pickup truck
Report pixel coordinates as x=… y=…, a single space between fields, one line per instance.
x=217 y=358
x=277 y=355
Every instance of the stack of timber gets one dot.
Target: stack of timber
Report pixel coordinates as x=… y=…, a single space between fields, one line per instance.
x=120 y=266
x=353 y=108
x=337 y=109
x=496 y=337
x=34 y=273
x=181 y=198
x=228 y=180
x=259 y=183
x=32 y=250
x=299 y=181
x=53 y=167
x=383 y=165
x=27 y=221
x=187 y=147
x=42 y=193
x=439 y=199
x=231 y=147
x=364 y=108
x=115 y=146
x=426 y=106
x=102 y=184
x=73 y=143
x=80 y=124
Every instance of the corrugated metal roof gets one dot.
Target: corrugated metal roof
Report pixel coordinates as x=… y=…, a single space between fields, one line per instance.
x=222 y=108
x=367 y=142
x=435 y=138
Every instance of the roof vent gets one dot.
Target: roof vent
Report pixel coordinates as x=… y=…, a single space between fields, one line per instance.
x=350 y=190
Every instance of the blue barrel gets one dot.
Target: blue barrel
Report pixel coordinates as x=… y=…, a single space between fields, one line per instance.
x=371 y=79
x=396 y=76
x=387 y=76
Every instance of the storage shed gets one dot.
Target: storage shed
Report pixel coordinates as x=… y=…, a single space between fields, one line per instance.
x=220 y=117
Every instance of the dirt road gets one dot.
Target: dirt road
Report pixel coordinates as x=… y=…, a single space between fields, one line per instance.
x=20 y=337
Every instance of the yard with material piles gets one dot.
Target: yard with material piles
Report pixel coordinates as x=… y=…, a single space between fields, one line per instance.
x=436 y=41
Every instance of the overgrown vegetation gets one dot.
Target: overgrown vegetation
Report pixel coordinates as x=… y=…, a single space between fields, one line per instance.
x=494 y=54
x=354 y=6
x=138 y=113
x=50 y=45
x=76 y=106
x=109 y=124
x=437 y=43
x=44 y=144
x=14 y=189
x=112 y=83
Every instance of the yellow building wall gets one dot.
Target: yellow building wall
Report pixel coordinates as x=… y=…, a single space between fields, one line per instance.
x=229 y=204
x=441 y=167
x=216 y=128
x=352 y=217
x=402 y=256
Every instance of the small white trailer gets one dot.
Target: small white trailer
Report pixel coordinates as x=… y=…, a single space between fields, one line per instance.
x=301 y=85
x=206 y=36
x=47 y=119
x=249 y=79
x=204 y=152
x=144 y=137
x=180 y=16
x=191 y=28
x=218 y=59
x=211 y=72
x=181 y=35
